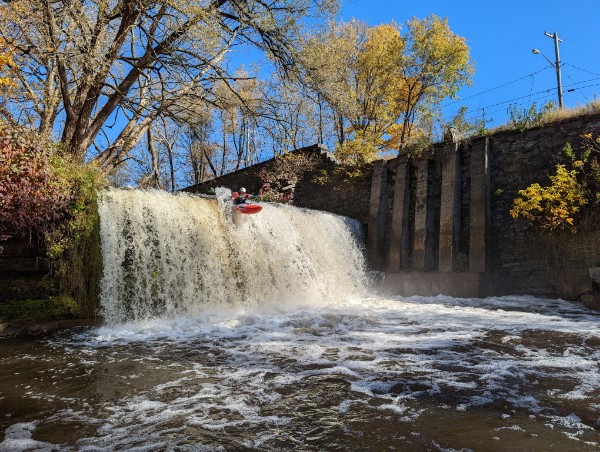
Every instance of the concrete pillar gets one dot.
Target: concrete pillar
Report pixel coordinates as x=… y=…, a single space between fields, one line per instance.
x=420 y=235
x=377 y=214
x=450 y=208
x=397 y=252
x=480 y=195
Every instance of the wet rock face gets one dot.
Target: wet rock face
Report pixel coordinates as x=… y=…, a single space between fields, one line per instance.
x=591 y=300
x=24 y=270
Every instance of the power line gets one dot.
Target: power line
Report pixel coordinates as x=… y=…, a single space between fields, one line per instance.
x=544 y=91
x=532 y=37
x=581 y=69
x=528 y=101
x=582 y=87
x=509 y=100
x=586 y=98
x=471 y=114
x=584 y=81
x=504 y=108
x=531 y=88
x=495 y=87
x=522 y=78
x=516 y=98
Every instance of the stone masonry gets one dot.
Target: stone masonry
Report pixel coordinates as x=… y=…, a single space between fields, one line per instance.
x=442 y=224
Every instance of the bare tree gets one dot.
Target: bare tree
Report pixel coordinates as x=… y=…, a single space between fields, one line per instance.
x=87 y=65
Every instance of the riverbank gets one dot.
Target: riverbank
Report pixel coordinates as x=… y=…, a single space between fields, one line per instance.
x=40 y=316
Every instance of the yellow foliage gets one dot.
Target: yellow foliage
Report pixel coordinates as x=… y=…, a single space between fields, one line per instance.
x=362 y=148
x=7 y=64
x=387 y=83
x=552 y=207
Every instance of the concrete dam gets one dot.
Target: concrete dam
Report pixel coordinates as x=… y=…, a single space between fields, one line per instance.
x=440 y=223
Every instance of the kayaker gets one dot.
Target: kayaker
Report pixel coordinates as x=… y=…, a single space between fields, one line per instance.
x=241 y=197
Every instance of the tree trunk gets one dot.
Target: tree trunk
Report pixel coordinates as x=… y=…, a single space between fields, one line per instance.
x=152 y=150
x=170 y=152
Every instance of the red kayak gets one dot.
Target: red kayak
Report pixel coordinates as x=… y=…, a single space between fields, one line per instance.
x=247 y=208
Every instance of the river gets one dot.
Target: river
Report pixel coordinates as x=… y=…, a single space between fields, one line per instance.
x=268 y=336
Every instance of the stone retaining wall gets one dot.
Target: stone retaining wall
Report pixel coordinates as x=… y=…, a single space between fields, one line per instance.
x=449 y=213
x=24 y=270
x=326 y=187
x=455 y=219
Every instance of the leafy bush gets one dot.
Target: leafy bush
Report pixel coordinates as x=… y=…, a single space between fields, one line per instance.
x=466 y=127
x=523 y=119
x=82 y=183
x=552 y=207
x=557 y=206
x=32 y=197
x=43 y=193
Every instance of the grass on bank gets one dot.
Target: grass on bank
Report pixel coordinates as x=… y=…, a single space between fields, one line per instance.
x=38 y=310
x=546 y=115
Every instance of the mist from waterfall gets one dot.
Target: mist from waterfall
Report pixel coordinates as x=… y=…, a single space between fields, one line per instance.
x=167 y=255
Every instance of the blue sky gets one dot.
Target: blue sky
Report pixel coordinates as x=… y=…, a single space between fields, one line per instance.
x=501 y=35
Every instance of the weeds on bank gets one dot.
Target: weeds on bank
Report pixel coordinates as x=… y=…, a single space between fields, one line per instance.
x=53 y=308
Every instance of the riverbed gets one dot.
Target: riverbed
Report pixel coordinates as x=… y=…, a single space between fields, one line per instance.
x=371 y=373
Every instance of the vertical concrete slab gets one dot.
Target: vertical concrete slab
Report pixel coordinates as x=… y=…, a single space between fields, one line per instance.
x=450 y=206
x=377 y=214
x=420 y=234
x=431 y=242
x=399 y=225
x=480 y=187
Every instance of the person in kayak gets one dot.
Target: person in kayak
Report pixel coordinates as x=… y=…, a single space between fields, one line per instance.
x=241 y=197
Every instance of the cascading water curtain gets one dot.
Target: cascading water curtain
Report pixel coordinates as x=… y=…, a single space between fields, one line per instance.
x=170 y=255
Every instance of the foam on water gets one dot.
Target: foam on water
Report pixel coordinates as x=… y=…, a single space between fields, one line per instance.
x=245 y=371
x=391 y=354
x=17 y=438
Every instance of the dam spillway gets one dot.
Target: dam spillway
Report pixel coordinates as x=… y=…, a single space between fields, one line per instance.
x=170 y=255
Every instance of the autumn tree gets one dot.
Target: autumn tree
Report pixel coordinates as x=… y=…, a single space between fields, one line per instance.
x=293 y=116
x=98 y=73
x=7 y=71
x=6 y=65
x=240 y=102
x=385 y=85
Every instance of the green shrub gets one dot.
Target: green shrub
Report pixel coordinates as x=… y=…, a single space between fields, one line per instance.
x=53 y=308
x=526 y=118
x=82 y=183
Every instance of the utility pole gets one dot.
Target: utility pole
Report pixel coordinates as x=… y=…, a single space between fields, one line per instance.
x=557 y=66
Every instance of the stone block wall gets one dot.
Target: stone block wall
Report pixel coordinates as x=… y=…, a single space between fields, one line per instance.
x=519 y=260
x=327 y=187
x=448 y=213
x=24 y=270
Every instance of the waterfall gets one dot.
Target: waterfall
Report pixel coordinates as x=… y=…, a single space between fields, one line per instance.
x=167 y=255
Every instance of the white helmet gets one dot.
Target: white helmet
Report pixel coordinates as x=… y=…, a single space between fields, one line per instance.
x=242 y=190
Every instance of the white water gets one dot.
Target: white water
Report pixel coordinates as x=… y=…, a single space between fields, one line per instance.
x=170 y=255
x=262 y=336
